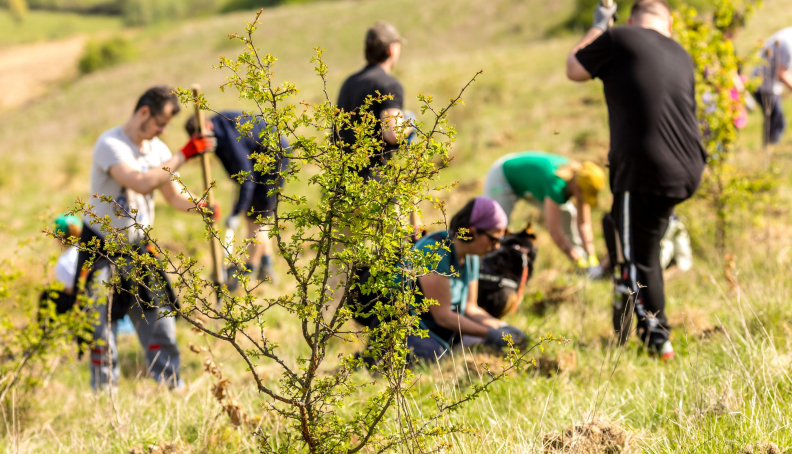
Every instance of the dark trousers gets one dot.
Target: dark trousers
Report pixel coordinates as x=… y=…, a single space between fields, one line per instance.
x=777 y=121
x=637 y=223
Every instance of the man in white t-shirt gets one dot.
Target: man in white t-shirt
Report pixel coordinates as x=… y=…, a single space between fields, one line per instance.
x=775 y=74
x=128 y=164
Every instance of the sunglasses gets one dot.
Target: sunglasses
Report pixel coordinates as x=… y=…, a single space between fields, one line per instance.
x=494 y=239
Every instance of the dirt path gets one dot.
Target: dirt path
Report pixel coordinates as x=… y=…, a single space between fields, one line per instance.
x=26 y=71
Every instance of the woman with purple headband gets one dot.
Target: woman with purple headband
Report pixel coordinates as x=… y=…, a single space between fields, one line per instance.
x=454 y=283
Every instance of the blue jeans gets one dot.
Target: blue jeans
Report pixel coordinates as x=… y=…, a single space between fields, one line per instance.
x=426 y=348
x=157 y=336
x=777 y=121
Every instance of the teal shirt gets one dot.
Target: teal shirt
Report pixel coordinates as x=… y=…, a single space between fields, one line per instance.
x=460 y=277
x=533 y=173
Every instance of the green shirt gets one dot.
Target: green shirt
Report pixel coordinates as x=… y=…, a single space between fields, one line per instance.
x=533 y=173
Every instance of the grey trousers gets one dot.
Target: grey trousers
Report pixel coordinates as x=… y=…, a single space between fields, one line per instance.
x=157 y=336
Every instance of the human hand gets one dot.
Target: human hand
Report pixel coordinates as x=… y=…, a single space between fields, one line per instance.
x=214 y=210
x=495 y=338
x=604 y=16
x=198 y=145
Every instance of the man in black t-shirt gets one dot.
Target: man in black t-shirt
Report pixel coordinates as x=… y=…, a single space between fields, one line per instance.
x=656 y=157
x=383 y=47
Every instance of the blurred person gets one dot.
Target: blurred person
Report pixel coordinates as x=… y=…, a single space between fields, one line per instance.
x=253 y=200
x=128 y=163
x=656 y=157
x=454 y=283
x=382 y=50
x=564 y=190
x=775 y=74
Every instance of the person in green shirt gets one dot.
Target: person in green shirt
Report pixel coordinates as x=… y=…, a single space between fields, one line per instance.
x=564 y=190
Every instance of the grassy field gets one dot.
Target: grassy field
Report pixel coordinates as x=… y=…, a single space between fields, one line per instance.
x=730 y=385
x=50 y=25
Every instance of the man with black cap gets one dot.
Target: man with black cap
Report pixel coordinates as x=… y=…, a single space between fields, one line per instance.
x=383 y=47
x=656 y=157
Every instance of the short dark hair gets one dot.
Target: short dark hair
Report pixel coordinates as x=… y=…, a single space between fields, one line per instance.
x=379 y=38
x=650 y=7
x=189 y=126
x=376 y=51
x=461 y=220
x=156 y=98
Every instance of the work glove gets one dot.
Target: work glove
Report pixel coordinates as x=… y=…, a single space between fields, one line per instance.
x=603 y=16
x=233 y=222
x=495 y=338
x=198 y=145
x=215 y=210
x=410 y=118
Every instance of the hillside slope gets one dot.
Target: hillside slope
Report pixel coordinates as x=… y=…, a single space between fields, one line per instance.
x=730 y=386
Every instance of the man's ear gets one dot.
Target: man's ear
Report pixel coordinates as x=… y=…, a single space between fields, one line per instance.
x=629 y=20
x=670 y=25
x=144 y=112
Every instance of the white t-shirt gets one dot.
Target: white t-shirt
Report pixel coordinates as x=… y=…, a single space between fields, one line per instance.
x=114 y=147
x=66 y=267
x=783 y=58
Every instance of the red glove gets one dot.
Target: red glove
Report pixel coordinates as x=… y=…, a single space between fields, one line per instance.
x=199 y=144
x=215 y=209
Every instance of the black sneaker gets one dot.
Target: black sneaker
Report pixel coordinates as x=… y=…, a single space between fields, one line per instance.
x=267 y=274
x=231 y=281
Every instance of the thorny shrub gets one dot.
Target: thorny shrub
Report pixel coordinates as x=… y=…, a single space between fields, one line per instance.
x=352 y=224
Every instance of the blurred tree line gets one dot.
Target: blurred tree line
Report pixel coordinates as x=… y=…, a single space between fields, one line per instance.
x=141 y=12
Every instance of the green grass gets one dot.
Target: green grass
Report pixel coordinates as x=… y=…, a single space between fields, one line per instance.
x=724 y=391
x=48 y=25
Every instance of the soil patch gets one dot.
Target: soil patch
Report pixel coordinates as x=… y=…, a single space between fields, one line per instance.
x=595 y=437
x=28 y=70
x=164 y=448
x=764 y=447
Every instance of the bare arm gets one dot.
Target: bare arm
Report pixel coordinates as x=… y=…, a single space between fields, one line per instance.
x=574 y=70
x=173 y=195
x=552 y=214
x=394 y=118
x=584 y=225
x=131 y=177
x=437 y=287
x=785 y=76
x=474 y=312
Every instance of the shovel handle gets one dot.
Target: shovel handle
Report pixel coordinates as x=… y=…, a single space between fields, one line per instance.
x=200 y=124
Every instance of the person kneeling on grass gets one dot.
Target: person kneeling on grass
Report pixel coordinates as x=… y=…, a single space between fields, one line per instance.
x=454 y=284
x=564 y=190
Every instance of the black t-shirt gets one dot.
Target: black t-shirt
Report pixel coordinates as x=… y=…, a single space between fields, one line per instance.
x=650 y=90
x=365 y=83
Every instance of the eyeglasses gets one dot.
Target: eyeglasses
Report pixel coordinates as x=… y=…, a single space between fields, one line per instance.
x=495 y=239
x=161 y=125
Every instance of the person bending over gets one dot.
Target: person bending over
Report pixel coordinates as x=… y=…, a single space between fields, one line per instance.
x=128 y=163
x=656 y=157
x=254 y=199
x=454 y=283
x=775 y=74
x=564 y=190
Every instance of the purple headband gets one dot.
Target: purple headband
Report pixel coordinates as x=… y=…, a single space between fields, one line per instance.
x=487 y=214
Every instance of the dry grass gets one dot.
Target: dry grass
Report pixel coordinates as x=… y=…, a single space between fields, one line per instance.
x=728 y=389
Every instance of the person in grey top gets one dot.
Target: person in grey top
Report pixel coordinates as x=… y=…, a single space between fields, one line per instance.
x=128 y=163
x=775 y=73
